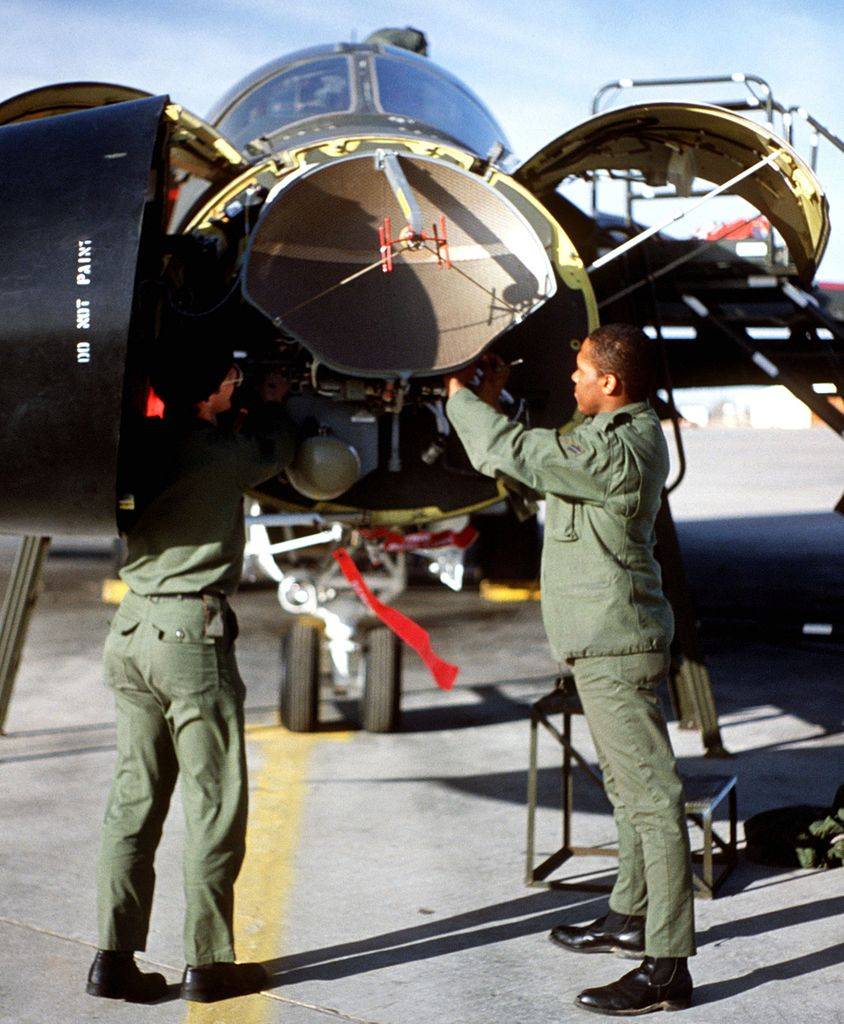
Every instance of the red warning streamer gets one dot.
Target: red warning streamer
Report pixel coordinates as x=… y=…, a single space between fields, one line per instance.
x=406 y=629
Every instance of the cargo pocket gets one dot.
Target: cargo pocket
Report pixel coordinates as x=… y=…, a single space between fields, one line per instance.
x=184 y=660
x=124 y=626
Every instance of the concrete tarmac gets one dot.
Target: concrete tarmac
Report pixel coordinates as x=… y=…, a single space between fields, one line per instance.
x=384 y=875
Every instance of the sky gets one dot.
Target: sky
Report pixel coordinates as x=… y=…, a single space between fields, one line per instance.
x=535 y=65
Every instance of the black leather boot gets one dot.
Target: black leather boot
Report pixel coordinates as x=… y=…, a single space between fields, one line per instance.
x=209 y=983
x=662 y=983
x=115 y=975
x=613 y=933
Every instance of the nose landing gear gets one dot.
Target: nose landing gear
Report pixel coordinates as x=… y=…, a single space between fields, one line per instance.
x=335 y=632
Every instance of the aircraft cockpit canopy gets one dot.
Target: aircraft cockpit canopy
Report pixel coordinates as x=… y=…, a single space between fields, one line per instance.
x=311 y=88
x=349 y=83
x=415 y=88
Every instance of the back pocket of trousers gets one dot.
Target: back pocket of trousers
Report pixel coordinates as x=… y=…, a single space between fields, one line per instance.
x=183 y=667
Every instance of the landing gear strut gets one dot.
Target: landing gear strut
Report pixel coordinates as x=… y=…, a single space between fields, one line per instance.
x=365 y=659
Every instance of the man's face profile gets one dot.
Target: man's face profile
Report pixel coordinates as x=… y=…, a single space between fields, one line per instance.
x=221 y=400
x=590 y=383
x=222 y=397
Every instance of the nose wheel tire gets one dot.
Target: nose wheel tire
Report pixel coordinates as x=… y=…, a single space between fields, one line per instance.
x=379 y=705
x=300 y=674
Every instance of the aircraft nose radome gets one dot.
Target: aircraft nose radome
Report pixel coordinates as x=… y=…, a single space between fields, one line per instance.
x=315 y=266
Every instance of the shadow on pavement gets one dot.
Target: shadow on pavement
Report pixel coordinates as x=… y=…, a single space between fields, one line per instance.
x=772 y=921
x=49 y=755
x=798 y=680
x=802 y=771
x=505 y=921
x=715 y=991
x=766 y=568
x=493 y=707
x=59 y=730
x=497 y=923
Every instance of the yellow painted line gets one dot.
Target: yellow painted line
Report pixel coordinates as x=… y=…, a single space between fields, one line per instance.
x=523 y=591
x=266 y=879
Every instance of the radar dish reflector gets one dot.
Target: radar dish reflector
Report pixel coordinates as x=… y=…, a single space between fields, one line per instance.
x=315 y=267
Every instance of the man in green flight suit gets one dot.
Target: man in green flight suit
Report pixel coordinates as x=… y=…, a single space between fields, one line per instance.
x=606 y=616
x=170 y=661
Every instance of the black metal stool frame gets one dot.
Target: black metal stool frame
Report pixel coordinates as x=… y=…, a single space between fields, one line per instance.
x=699 y=808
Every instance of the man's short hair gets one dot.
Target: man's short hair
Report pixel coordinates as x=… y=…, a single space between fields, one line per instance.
x=630 y=354
x=188 y=364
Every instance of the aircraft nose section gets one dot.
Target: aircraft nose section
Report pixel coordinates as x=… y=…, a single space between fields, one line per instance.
x=334 y=263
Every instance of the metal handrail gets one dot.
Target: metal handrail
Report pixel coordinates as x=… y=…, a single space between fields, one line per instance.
x=738 y=77
x=771 y=106
x=761 y=98
x=818 y=130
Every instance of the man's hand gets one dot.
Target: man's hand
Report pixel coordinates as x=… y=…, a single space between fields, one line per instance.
x=495 y=375
x=273 y=388
x=455 y=381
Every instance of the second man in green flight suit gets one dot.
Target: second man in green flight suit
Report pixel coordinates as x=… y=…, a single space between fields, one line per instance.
x=170 y=662
x=606 y=616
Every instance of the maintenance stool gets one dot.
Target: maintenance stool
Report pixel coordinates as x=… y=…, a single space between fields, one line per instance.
x=704 y=793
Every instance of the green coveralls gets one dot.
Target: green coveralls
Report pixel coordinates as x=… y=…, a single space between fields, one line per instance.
x=169 y=658
x=605 y=614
